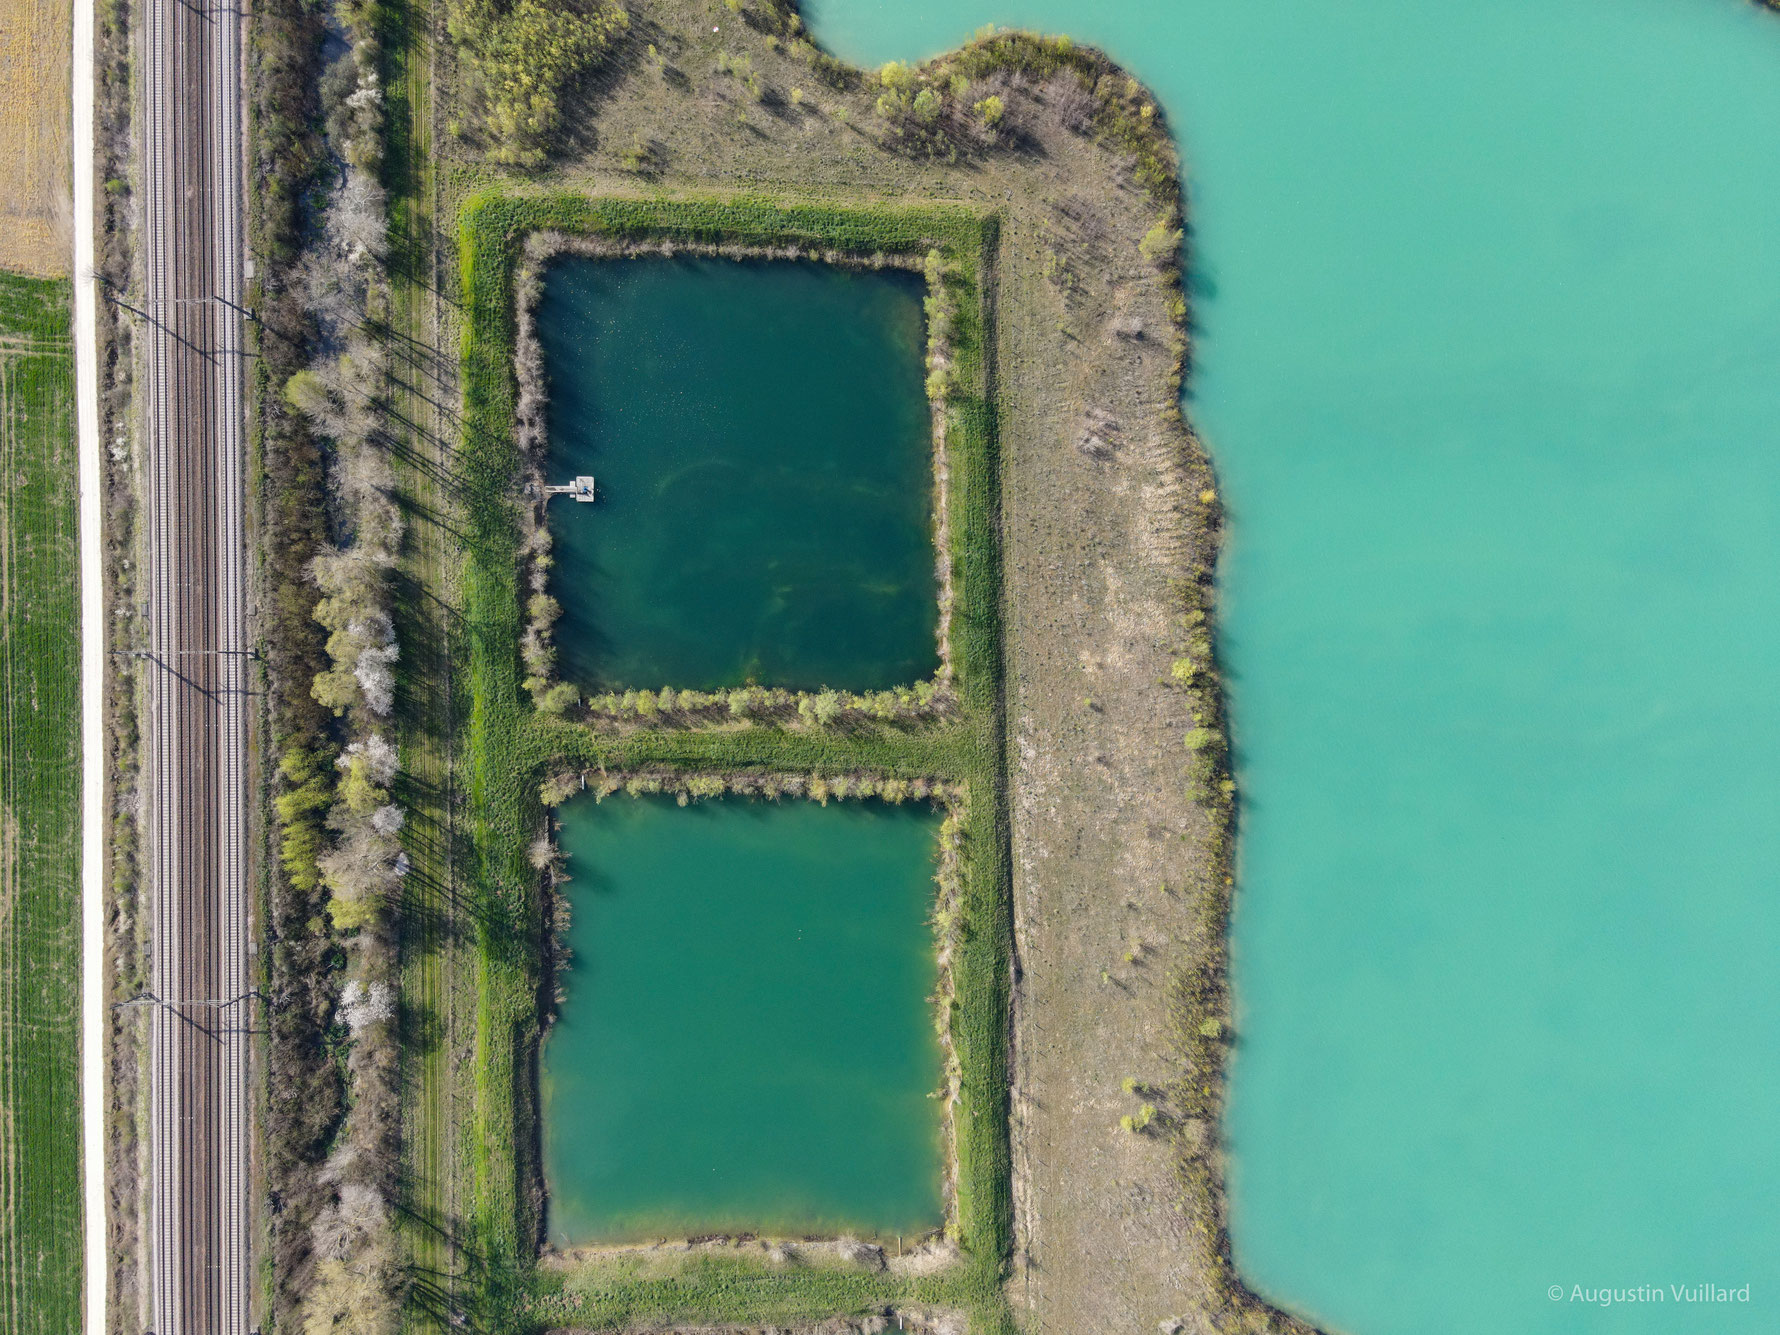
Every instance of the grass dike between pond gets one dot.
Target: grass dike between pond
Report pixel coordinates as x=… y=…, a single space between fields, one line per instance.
x=886 y=760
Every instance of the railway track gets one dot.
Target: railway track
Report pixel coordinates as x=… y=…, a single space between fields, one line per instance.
x=196 y=673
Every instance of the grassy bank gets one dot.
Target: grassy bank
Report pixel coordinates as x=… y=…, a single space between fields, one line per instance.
x=512 y=748
x=40 y=1246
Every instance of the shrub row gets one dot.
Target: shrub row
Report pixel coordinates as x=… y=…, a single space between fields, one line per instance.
x=334 y=533
x=304 y=1092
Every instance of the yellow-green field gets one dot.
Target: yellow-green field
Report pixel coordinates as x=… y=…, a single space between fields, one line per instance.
x=40 y=1259
x=36 y=207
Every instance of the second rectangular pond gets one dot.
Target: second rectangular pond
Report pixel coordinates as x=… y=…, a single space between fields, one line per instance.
x=762 y=442
x=745 y=1042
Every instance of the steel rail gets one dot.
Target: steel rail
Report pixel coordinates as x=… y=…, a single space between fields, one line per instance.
x=197 y=726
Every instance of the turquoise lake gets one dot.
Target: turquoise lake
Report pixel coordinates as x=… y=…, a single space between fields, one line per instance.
x=745 y=1041
x=760 y=436
x=1488 y=300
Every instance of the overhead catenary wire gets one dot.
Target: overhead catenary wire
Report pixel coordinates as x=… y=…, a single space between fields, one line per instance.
x=192 y=322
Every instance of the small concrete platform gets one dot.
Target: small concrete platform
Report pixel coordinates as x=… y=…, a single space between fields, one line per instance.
x=581 y=489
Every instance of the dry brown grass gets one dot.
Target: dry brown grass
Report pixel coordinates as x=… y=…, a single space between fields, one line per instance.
x=36 y=202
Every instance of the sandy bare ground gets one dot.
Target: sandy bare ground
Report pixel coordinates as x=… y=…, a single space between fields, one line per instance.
x=1107 y=848
x=36 y=205
x=912 y=1322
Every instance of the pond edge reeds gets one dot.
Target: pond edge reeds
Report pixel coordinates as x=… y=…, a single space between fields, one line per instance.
x=646 y=706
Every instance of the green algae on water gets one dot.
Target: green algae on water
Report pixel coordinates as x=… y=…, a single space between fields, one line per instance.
x=761 y=440
x=746 y=1041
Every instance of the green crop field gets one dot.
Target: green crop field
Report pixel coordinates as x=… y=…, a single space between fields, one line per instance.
x=40 y=1258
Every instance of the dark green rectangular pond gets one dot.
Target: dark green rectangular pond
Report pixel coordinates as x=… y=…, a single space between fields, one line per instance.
x=760 y=436
x=745 y=1042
